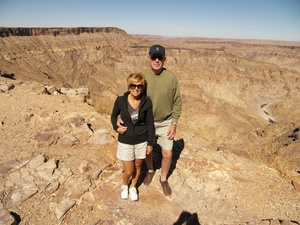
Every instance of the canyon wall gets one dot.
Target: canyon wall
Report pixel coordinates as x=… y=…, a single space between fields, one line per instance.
x=55 y=31
x=237 y=140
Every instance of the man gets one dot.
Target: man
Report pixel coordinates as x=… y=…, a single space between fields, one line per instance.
x=163 y=89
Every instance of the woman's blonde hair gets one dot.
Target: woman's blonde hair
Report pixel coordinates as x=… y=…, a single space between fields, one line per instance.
x=134 y=78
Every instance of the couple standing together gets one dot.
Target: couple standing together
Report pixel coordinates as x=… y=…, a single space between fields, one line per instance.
x=151 y=107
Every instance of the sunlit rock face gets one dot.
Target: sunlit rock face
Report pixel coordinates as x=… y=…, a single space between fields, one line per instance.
x=236 y=155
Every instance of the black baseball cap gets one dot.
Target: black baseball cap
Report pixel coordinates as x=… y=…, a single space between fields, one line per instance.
x=157 y=50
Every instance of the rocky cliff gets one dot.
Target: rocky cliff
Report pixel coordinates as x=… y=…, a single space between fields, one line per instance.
x=55 y=31
x=236 y=155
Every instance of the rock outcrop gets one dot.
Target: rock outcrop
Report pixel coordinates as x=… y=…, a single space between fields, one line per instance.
x=236 y=153
x=55 y=31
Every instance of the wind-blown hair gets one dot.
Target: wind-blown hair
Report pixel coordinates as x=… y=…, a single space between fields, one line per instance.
x=136 y=78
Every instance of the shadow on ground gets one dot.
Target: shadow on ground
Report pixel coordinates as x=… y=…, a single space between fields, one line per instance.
x=187 y=218
x=178 y=146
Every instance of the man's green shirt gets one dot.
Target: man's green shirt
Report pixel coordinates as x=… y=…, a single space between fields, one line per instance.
x=164 y=91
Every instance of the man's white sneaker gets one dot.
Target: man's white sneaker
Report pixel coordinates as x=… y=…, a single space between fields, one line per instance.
x=124 y=192
x=133 y=194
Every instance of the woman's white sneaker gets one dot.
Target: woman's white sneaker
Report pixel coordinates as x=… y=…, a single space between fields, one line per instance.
x=133 y=194
x=124 y=192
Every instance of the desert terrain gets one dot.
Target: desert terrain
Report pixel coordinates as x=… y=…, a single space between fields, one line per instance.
x=236 y=153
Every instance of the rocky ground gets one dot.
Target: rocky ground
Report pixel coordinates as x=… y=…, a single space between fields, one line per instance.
x=236 y=155
x=54 y=172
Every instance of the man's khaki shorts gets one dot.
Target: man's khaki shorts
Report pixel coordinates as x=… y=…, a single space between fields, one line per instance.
x=161 y=132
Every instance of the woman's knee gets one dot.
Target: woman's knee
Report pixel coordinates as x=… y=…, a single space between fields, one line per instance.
x=128 y=173
x=138 y=164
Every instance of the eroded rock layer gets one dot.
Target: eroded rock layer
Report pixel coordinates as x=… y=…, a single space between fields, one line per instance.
x=236 y=155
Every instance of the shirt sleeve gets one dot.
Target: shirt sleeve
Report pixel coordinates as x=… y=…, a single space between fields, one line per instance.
x=115 y=113
x=150 y=124
x=177 y=103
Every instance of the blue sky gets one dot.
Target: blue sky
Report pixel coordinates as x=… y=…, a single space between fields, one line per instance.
x=242 y=19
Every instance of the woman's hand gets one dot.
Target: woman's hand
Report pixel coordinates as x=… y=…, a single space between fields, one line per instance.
x=149 y=149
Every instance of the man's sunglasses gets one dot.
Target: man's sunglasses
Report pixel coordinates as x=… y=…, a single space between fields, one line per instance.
x=133 y=86
x=159 y=57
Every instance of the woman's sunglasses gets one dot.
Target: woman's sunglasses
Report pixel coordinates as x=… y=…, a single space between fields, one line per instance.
x=134 y=86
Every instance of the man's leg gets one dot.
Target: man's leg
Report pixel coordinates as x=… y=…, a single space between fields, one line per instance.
x=150 y=173
x=162 y=131
x=165 y=164
x=149 y=161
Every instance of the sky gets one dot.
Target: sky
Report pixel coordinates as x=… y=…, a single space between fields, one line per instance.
x=240 y=19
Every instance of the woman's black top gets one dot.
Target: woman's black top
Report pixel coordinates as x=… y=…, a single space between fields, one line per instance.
x=143 y=129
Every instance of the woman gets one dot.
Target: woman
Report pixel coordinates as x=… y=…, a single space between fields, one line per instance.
x=136 y=135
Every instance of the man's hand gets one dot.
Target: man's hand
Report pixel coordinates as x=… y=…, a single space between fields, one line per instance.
x=121 y=129
x=119 y=122
x=172 y=132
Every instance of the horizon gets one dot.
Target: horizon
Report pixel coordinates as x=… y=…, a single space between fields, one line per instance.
x=162 y=36
x=275 y=20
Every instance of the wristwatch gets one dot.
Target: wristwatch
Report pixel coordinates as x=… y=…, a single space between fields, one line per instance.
x=175 y=123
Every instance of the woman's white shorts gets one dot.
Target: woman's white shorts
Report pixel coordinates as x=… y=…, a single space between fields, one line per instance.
x=126 y=152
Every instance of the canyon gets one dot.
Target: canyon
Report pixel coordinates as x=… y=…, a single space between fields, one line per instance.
x=236 y=153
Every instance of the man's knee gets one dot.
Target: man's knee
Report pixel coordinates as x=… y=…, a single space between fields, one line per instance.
x=166 y=154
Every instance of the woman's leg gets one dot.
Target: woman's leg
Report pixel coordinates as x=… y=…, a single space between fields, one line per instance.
x=136 y=172
x=129 y=169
